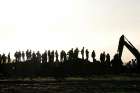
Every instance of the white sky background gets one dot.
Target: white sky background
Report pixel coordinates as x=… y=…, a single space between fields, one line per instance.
x=66 y=24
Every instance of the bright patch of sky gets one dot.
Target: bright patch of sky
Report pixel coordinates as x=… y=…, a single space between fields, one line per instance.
x=66 y=24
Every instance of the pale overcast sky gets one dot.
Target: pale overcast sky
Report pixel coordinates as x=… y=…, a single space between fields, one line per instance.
x=63 y=24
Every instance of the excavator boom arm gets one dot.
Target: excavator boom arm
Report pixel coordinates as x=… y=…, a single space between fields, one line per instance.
x=130 y=47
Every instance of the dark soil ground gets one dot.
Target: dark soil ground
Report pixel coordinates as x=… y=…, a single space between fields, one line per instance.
x=71 y=85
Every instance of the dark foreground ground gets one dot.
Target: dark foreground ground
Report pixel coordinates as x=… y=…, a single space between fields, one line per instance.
x=71 y=85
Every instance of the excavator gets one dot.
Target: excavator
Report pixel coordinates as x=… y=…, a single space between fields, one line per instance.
x=125 y=42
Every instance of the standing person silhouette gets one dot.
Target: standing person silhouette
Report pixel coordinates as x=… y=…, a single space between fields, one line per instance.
x=34 y=58
x=23 y=56
x=16 y=56
x=49 y=55
x=102 y=57
x=52 y=56
x=4 y=58
x=0 y=59
x=56 y=54
x=38 y=57
x=70 y=54
x=30 y=54
x=19 y=56
x=44 y=57
x=61 y=56
x=108 y=60
x=87 y=54
x=82 y=53
x=9 y=59
x=27 y=54
x=65 y=56
x=76 y=52
x=93 y=55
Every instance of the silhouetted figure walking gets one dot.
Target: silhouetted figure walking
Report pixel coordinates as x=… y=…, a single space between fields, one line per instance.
x=82 y=53
x=87 y=54
x=93 y=55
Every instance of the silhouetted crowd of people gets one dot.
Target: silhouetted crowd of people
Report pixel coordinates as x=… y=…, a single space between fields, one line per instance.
x=4 y=58
x=53 y=56
x=69 y=63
